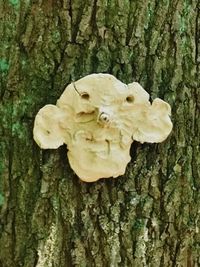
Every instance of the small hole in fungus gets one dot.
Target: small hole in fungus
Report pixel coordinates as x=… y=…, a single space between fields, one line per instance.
x=85 y=96
x=130 y=99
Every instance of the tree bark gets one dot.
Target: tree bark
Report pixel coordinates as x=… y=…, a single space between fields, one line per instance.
x=148 y=217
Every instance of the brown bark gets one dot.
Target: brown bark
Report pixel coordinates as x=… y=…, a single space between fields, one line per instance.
x=148 y=217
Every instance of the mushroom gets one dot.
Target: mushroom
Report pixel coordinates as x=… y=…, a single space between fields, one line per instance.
x=98 y=117
x=47 y=131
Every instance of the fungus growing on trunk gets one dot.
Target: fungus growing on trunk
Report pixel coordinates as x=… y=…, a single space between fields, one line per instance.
x=98 y=117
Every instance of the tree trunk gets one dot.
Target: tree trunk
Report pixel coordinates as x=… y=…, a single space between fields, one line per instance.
x=148 y=217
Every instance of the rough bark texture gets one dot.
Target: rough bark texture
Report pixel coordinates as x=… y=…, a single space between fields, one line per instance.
x=150 y=216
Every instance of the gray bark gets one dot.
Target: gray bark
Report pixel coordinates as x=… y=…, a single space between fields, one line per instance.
x=148 y=217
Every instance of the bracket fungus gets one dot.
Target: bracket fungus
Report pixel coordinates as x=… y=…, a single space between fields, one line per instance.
x=98 y=117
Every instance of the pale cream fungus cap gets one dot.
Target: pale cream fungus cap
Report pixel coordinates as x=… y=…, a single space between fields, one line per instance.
x=98 y=117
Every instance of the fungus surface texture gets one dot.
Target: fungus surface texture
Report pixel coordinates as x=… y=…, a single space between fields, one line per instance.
x=98 y=117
